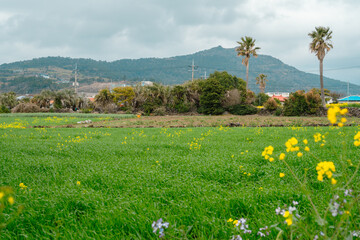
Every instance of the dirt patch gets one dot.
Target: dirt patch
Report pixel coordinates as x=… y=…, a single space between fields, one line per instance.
x=176 y=121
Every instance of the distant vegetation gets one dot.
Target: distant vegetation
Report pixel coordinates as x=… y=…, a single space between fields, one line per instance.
x=219 y=93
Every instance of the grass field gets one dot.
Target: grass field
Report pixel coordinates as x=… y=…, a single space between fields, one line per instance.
x=54 y=119
x=113 y=183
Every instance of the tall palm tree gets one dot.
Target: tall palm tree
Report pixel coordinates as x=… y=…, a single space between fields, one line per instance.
x=247 y=48
x=261 y=80
x=320 y=45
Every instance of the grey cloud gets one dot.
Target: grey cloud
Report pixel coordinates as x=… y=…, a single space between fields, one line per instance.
x=114 y=29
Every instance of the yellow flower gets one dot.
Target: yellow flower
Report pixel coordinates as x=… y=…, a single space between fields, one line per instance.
x=333 y=181
x=305 y=141
x=299 y=154
x=282 y=175
x=271 y=159
x=22 y=185
x=343 y=120
x=289 y=221
x=325 y=168
x=282 y=156
x=343 y=111
x=78 y=183
x=1 y=195
x=235 y=222
x=230 y=220
x=340 y=124
x=347 y=212
x=307 y=148
x=11 y=200
x=286 y=214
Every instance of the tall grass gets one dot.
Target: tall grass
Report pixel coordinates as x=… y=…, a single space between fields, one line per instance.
x=113 y=183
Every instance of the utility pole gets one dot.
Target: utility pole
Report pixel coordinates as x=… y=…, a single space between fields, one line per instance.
x=75 y=84
x=193 y=69
x=205 y=74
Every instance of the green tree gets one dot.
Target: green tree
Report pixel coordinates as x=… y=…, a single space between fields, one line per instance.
x=123 y=96
x=246 y=49
x=213 y=92
x=320 y=45
x=261 y=81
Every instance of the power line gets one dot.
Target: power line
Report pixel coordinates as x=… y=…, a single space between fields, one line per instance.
x=334 y=69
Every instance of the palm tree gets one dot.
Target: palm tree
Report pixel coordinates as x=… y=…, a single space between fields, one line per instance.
x=261 y=80
x=320 y=45
x=104 y=97
x=247 y=48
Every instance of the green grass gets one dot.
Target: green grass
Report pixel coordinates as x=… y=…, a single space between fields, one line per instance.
x=132 y=177
x=54 y=119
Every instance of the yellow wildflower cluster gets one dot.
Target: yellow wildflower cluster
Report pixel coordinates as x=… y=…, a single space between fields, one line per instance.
x=357 y=139
x=291 y=145
x=244 y=172
x=333 y=112
x=268 y=151
x=289 y=218
x=22 y=186
x=57 y=119
x=196 y=143
x=17 y=125
x=326 y=168
x=319 y=137
x=6 y=196
x=225 y=129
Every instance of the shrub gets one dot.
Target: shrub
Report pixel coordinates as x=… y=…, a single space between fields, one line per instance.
x=278 y=111
x=300 y=103
x=313 y=100
x=232 y=97
x=4 y=109
x=180 y=99
x=148 y=98
x=271 y=104
x=296 y=105
x=242 y=109
x=260 y=99
x=250 y=97
x=27 y=108
x=211 y=97
x=160 y=111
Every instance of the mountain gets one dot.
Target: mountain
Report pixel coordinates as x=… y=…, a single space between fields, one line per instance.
x=168 y=71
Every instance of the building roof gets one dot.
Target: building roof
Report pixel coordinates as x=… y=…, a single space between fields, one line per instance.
x=280 y=98
x=350 y=98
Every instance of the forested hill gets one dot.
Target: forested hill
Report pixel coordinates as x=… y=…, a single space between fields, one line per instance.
x=176 y=70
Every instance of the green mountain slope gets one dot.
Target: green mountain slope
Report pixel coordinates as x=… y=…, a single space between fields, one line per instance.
x=175 y=70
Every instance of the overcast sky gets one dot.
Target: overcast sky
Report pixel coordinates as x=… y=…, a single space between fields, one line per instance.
x=116 y=29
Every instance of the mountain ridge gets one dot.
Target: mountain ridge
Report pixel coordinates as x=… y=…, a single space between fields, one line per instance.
x=175 y=70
